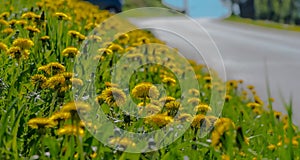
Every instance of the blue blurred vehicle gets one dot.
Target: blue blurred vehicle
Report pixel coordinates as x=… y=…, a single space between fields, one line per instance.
x=114 y=6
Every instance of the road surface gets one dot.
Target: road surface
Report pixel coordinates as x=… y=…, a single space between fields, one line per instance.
x=247 y=52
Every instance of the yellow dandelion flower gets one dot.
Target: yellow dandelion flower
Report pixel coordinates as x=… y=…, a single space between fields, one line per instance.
x=3 y=47
x=93 y=155
x=90 y=26
x=74 y=106
x=90 y=125
x=32 y=29
x=123 y=37
x=17 y=53
x=38 y=79
x=212 y=119
x=112 y=96
x=105 y=51
x=21 y=22
x=67 y=75
x=166 y=99
x=228 y=98
x=76 y=81
x=30 y=15
x=116 y=48
x=4 y=22
x=250 y=87
x=184 y=117
x=285 y=119
x=149 y=109
x=225 y=157
x=76 y=34
x=207 y=79
x=199 y=121
x=202 y=108
x=232 y=84
x=55 y=82
x=257 y=111
x=244 y=93
x=159 y=119
x=70 y=52
x=145 y=90
x=7 y=31
x=223 y=124
x=136 y=44
x=121 y=142
x=95 y=38
x=253 y=105
x=194 y=92
x=194 y=101
x=242 y=154
x=173 y=105
x=63 y=88
x=287 y=126
x=37 y=123
x=4 y=15
x=216 y=139
x=109 y=84
x=258 y=100
x=98 y=58
x=277 y=114
x=169 y=81
x=62 y=16
x=59 y=116
x=53 y=68
x=70 y=130
x=143 y=40
x=45 y=38
x=272 y=147
x=23 y=43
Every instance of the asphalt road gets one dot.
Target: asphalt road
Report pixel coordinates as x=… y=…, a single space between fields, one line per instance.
x=249 y=53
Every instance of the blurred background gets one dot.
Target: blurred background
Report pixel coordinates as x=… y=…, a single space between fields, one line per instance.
x=282 y=11
x=257 y=39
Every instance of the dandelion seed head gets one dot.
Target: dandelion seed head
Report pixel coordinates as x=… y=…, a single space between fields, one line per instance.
x=145 y=90
x=112 y=96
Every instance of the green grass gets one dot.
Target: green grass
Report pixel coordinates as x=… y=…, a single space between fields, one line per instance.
x=30 y=88
x=262 y=23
